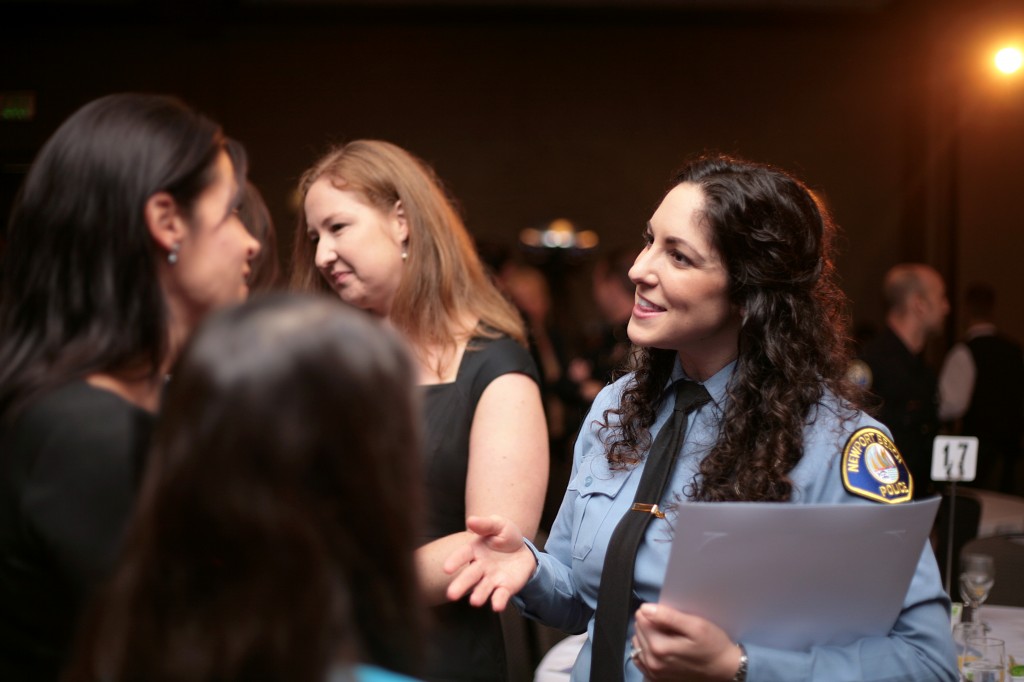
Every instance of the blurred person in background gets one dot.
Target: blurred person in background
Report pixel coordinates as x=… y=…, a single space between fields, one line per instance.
x=982 y=385
x=607 y=347
x=891 y=365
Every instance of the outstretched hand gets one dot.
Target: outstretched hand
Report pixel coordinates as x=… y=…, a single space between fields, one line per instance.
x=494 y=565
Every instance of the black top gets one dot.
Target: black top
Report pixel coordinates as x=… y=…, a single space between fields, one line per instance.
x=996 y=411
x=69 y=467
x=997 y=402
x=465 y=642
x=909 y=394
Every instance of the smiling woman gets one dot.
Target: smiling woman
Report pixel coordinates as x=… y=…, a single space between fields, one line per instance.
x=682 y=288
x=738 y=323
x=123 y=237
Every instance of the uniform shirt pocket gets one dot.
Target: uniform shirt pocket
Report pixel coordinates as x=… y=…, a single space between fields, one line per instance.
x=596 y=489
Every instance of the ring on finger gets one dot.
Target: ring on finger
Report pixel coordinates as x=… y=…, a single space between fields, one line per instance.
x=634 y=652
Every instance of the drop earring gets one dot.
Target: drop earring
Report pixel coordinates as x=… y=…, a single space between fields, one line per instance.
x=172 y=255
x=405 y=252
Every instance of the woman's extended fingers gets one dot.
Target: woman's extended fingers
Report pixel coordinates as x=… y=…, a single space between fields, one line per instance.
x=493 y=566
x=494 y=587
x=458 y=559
x=483 y=590
x=466 y=580
x=499 y=599
x=481 y=586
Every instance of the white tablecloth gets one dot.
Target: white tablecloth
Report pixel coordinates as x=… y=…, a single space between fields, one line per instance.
x=1007 y=623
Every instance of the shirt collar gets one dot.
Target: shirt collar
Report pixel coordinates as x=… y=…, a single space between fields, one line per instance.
x=715 y=385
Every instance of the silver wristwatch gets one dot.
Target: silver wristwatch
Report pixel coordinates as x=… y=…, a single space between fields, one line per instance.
x=741 y=672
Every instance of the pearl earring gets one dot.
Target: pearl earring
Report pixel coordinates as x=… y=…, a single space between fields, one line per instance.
x=172 y=256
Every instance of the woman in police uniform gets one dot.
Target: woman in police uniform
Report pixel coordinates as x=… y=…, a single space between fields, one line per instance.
x=735 y=291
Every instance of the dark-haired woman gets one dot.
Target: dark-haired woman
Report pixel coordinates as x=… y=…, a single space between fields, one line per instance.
x=735 y=292
x=123 y=237
x=275 y=530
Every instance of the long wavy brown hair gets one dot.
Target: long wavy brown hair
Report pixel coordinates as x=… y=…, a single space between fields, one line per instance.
x=776 y=240
x=444 y=279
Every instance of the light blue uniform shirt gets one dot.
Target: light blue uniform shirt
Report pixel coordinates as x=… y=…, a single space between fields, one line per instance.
x=563 y=591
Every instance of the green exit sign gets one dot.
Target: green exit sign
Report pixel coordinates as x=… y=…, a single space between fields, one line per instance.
x=17 y=106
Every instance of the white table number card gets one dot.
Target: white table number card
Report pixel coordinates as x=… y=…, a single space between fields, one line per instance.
x=954 y=458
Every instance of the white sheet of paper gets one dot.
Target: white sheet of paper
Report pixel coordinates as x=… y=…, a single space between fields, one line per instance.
x=792 y=576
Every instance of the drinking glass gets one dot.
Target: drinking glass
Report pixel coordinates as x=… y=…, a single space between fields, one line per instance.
x=977 y=575
x=984 y=660
x=962 y=632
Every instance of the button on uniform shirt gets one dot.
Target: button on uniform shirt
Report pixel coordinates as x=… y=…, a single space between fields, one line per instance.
x=563 y=590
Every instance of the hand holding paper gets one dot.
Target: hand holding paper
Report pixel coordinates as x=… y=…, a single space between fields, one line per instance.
x=676 y=645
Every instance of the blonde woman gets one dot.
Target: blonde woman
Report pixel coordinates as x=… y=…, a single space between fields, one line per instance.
x=378 y=230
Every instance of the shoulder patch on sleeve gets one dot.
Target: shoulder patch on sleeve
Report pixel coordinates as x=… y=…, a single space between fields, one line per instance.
x=874 y=468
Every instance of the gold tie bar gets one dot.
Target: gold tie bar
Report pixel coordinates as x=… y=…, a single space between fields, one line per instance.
x=648 y=509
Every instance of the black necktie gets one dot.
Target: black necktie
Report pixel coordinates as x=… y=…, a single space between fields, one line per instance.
x=615 y=594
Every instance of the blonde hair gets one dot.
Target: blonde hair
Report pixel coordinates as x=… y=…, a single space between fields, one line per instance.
x=444 y=281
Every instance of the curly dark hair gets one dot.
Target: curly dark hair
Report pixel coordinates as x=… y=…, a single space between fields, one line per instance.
x=776 y=241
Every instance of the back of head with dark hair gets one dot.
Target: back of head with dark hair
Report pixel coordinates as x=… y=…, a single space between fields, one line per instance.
x=275 y=532
x=79 y=290
x=775 y=239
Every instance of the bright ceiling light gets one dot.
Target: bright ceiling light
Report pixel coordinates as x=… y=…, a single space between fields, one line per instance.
x=1009 y=59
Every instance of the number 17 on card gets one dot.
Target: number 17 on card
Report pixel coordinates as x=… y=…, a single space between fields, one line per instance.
x=954 y=458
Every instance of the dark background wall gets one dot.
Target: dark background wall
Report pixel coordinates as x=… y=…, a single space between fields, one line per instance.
x=536 y=110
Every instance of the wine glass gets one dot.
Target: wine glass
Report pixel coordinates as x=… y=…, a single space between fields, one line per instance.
x=977 y=575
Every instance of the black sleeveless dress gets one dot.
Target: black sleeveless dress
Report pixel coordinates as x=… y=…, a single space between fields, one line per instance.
x=463 y=643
